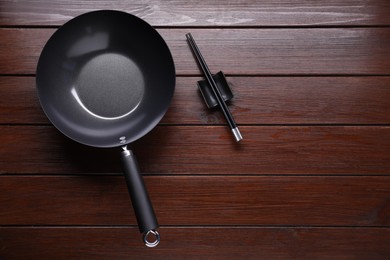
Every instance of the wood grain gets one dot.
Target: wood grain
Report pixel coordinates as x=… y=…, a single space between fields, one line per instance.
x=258 y=100
x=206 y=150
x=311 y=179
x=196 y=243
x=334 y=51
x=199 y=200
x=213 y=13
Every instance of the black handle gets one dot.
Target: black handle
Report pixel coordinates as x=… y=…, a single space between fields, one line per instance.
x=146 y=218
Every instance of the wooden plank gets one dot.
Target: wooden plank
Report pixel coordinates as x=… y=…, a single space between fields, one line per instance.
x=339 y=51
x=20 y=103
x=196 y=243
x=258 y=100
x=20 y=49
x=199 y=200
x=214 y=13
x=204 y=150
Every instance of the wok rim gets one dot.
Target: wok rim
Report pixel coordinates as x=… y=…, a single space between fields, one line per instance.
x=122 y=141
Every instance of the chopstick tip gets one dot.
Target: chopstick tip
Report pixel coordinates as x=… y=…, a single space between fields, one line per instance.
x=237 y=134
x=188 y=35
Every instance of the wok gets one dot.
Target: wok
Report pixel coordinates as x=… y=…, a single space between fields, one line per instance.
x=105 y=79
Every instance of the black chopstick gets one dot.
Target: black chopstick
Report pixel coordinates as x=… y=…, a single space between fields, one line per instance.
x=216 y=91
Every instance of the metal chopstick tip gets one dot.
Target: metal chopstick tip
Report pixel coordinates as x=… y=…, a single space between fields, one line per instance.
x=237 y=134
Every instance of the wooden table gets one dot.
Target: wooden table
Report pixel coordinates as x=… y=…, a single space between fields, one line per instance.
x=310 y=180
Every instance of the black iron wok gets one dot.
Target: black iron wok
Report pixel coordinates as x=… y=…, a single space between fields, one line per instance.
x=105 y=79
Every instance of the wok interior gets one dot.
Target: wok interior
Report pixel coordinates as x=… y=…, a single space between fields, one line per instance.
x=105 y=78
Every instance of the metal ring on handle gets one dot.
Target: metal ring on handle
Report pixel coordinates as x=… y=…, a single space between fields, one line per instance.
x=154 y=243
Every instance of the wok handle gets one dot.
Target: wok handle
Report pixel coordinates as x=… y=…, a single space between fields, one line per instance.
x=146 y=218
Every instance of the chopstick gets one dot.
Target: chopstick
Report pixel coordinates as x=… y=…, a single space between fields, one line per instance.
x=225 y=110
